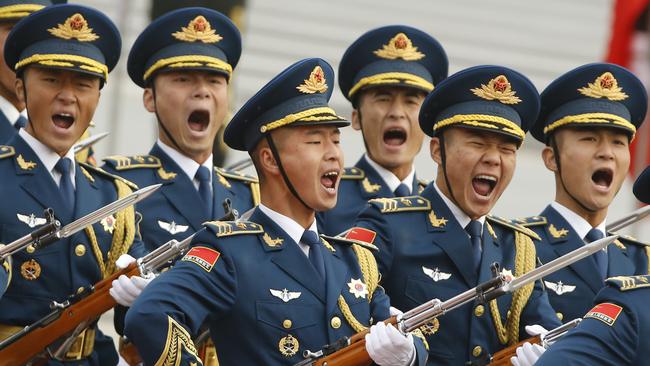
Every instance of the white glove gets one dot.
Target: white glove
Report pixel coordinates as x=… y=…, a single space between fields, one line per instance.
x=386 y=346
x=536 y=330
x=395 y=311
x=527 y=354
x=125 y=290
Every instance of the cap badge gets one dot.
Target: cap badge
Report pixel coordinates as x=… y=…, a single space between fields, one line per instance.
x=315 y=84
x=75 y=27
x=399 y=46
x=498 y=89
x=605 y=86
x=198 y=29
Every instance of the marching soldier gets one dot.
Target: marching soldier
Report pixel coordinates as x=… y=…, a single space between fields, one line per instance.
x=442 y=242
x=271 y=288
x=62 y=56
x=385 y=74
x=184 y=61
x=588 y=118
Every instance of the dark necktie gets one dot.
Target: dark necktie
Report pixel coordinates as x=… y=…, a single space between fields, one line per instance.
x=63 y=166
x=600 y=256
x=474 y=229
x=205 y=191
x=402 y=190
x=315 y=254
x=21 y=122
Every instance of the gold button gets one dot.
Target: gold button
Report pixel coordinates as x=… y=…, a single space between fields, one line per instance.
x=336 y=322
x=80 y=290
x=80 y=250
x=477 y=351
x=30 y=249
x=560 y=316
x=287 y=324
x=479 y=310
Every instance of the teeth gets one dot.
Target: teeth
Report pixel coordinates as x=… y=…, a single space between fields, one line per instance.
x=486 y=177
x=331 y=174
x=65 y=114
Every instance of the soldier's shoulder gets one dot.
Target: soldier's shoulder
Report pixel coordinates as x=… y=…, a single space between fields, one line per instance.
x=6 y=151
x=512 y=225
x=353 y=173
x=532 y=221
x=92 y=173
x=626 y=240
x=627 y=283
x=225 y=177
x=223 y=229
x=401 y=204
x=122 y=163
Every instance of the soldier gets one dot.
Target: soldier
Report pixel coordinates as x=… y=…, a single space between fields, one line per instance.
x=588 y=118
x=270 y=288
x=385 y=74
x=62 y=56
x=184 y=61
x=442 y=243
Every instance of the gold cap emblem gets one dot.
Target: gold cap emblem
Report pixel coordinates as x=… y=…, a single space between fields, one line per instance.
x=316 y=82
x=399 y=46
x=198 y=29
x=498 y=89
x=75 y=27
x=605 y=86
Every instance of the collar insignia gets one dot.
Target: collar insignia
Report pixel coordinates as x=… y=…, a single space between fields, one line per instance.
x=198 y=29
x=108 y=223
x=165 y=174
x=358 y=288
x=399 y=46
x=559 y=288
x=24 y=164
x=316 y=82
x=285 y=295
x=370 y=187
x=555 y=233
x=32 y=221
x=272 y=242
x=172 y=227
x=75 y=27
x=435 y=274
x=605 y=86
x=498 y=89
x=435 y=221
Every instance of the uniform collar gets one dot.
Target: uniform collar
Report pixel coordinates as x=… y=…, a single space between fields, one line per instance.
x=579 y=224
x=389 y=178
x=187 y=165
x=289 y=225
x=461 y=217
x=10 y=111
x=47 y=156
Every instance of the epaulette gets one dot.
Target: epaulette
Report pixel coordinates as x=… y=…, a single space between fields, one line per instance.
x=532 y=221
x=232 y=174
x=347 y=241
x=632 y=240
x=230 y=228
x=626 y=283
x=401 y=204
x=6 y=151
x=353 y=173
x=119 y=162
x=103 y=172
x=513 y=225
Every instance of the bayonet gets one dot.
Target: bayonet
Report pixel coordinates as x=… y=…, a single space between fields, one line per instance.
x=629 y=219
x=87 y=142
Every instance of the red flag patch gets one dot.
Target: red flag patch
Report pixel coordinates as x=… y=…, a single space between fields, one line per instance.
x=605 y=312
x=361 y=234
x=203 y=256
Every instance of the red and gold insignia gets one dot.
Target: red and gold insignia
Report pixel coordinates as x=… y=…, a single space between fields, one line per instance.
x=198 y=29
x=108 y=223
x=605 y=86
x=605 y=312
x=316 y=82
x=203 y=256
x=361 y=234
x=75 y=27
x=358 y=288
x=498 y=89
x=399 y=46
x=30 y=270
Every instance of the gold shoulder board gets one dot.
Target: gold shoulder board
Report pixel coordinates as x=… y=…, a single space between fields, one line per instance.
x=401 y=204
x=626 y=283
x=119 y=162
x=230 y=228
x=532 y=221
x=89 y=168
x=232 y=174
x=353 y=173
x=513 y=225
x=6 y=151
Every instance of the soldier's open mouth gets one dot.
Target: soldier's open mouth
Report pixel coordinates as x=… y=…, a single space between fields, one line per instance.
x=329 y=180
x=603 y=177
x=394 y=136
x=484 y=184
x=63 y=120
x=199 y=120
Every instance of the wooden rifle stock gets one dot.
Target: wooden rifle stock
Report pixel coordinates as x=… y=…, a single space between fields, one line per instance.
x=502 y=358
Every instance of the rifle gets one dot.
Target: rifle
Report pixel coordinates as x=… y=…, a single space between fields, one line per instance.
x=88 y=142
x=629 y=219
x=39 y=339
x=351 y=351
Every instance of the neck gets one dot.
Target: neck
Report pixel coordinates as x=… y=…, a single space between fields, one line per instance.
x=198 y=156
x=11 y=98
x=30 y=130
x=277 y=197
x=594 y=218
x=400 y=171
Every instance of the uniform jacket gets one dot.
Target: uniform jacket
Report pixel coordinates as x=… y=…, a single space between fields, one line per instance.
x=7 y=129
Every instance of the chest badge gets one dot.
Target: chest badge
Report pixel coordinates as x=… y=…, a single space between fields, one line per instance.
x=507 y=274
x=430 y=328
x=30 y=270
x=435 y=274
x=285 y=295
x=32 y=221
x=172 y=227
x=358 y=288
x=108 y=223
x=288 y=346
x=560 y=288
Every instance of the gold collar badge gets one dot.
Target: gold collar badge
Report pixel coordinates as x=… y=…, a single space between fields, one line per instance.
x=555 y=233
x=75 y=27
x=435 y=221
x=198 y=29
x=605 y=86
x=316 y=82
x=498 y=89
x=24 y=164
x=399 y=46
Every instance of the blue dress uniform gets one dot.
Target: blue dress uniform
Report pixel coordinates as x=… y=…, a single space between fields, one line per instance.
x=390 y=56
x=250 y=281
x=5 y=276
x=66 y=266
x=424 y=251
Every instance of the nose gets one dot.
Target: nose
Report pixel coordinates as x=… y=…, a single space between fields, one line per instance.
x=66 y=94
x=397 y=109
x=333 y=152
x=605 y=150
x=201 y=89
x=492 y=156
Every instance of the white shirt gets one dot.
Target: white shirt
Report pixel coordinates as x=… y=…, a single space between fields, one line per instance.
x=461 y=217
x=391 y=179
x=579 y=224
x=10 y=111
x=48 y=157
x=290 y=226
x=189 y=166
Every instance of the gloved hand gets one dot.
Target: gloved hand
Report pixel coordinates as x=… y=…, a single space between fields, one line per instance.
x=527 y=354
x=395 y=311
x=126 y=289
x=388 y=347
x=536 y=329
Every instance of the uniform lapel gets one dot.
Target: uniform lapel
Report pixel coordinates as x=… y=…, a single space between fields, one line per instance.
x=86 y=197
x=336 y=272
x=221 y=190
x=7 y=129
x=491 y=254
x=372 y=186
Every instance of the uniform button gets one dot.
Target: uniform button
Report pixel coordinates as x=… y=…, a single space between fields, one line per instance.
x=477 y=351
x=479 y=310
x=560 y=316
x=336 y=322
x=287 y=324
x=80 y=290
x=30 y=249
x=80 y=250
